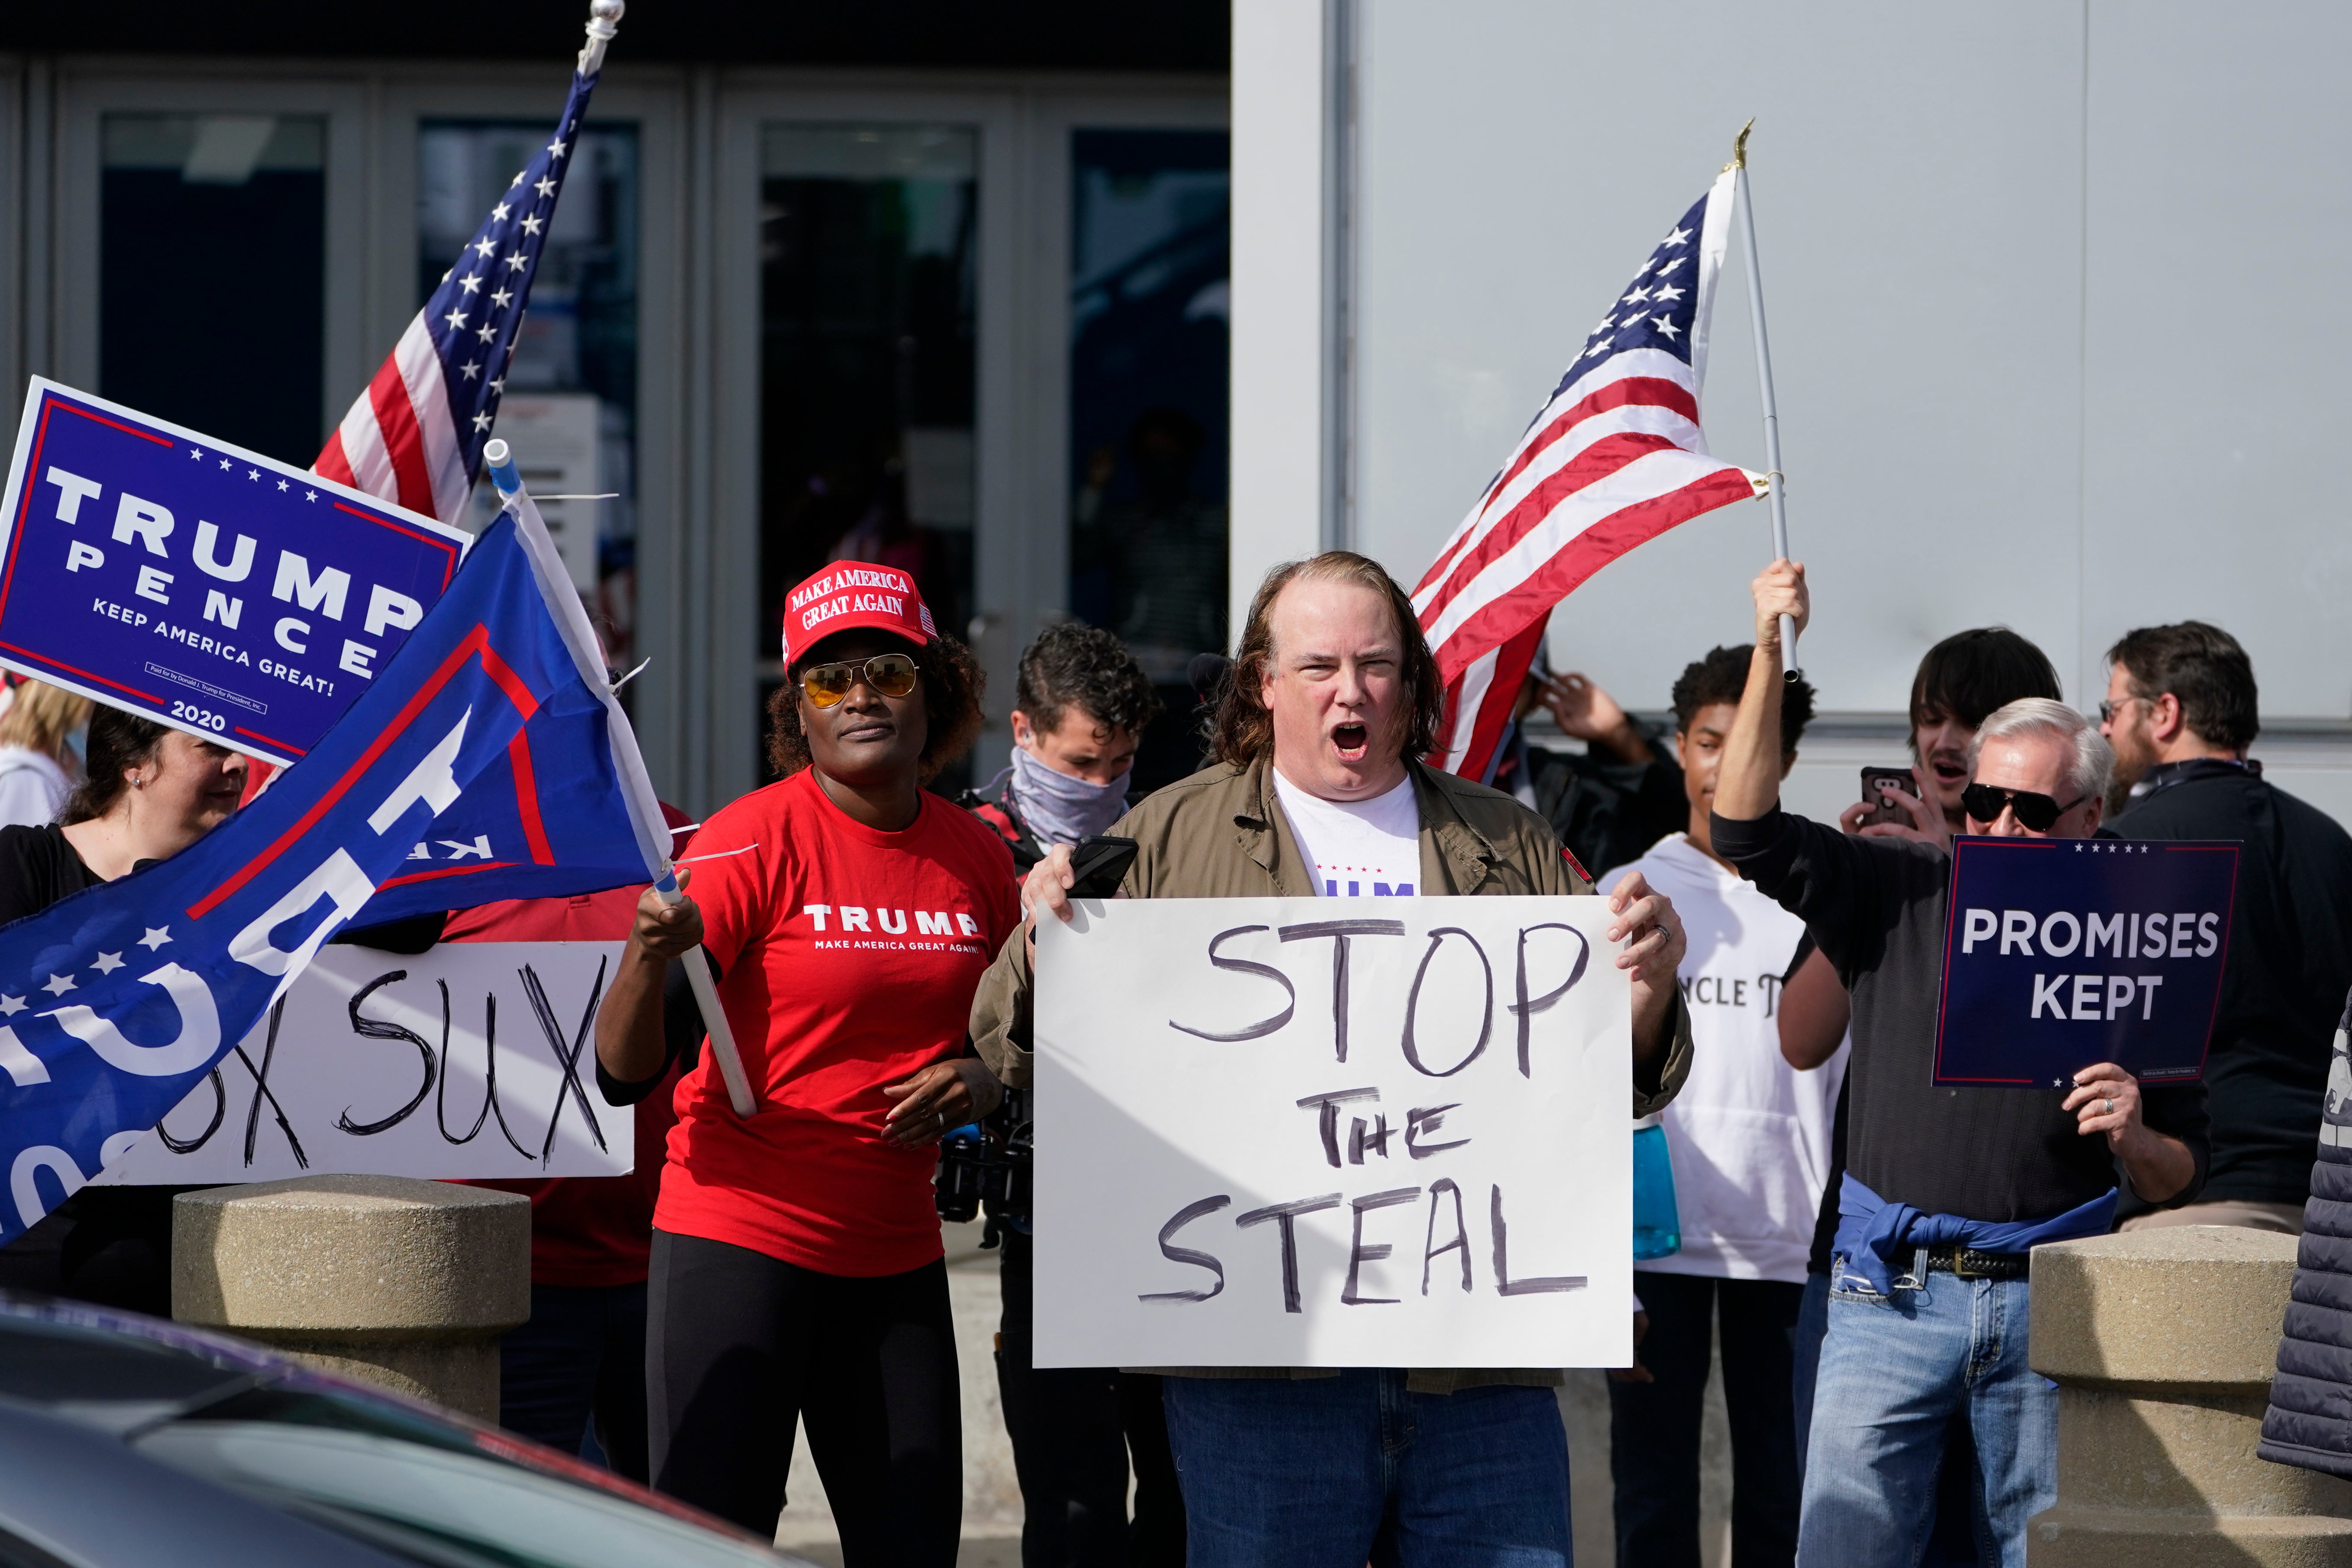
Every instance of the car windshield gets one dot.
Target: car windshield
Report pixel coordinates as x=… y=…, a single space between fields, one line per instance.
x=435 y=1505
x=406 y=1480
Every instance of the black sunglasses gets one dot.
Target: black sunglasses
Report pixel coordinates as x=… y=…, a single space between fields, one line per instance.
x=1983 y=803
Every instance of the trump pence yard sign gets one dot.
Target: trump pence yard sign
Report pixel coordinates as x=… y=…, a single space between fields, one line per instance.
x=1333 y=1133
x=221 y=591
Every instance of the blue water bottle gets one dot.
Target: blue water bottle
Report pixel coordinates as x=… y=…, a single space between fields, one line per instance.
x=1657 y=1224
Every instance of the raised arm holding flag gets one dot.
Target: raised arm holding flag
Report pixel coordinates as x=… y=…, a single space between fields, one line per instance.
x=1613 y=459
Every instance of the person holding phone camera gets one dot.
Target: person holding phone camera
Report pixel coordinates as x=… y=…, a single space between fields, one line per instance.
x=1959 y=680
x=1079 y=713
x=1333 y=700
x=1947 y=1190
x=797 y=1269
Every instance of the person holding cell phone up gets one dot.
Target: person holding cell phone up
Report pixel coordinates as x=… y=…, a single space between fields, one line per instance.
x=1945 y=1190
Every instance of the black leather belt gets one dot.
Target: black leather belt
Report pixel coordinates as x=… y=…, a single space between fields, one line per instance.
x=1966 y=1263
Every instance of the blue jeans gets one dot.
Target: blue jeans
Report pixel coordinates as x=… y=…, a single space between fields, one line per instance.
x=1895 y=1370
x=1336 y=1472
x=1812 y=1324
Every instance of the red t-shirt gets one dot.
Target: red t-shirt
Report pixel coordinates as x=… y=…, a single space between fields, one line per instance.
x=585 y=1231
x=849 y=960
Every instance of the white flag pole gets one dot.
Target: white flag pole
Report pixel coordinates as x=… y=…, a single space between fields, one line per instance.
x=1777 y=480
x=604 y=23
x=644 y=807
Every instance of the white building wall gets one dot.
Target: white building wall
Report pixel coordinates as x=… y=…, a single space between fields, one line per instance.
x=2054 y=315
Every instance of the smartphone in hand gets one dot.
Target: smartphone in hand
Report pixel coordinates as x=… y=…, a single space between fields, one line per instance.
x=1877 y=784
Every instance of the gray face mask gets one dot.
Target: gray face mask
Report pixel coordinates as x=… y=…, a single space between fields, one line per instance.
x=1060 y=809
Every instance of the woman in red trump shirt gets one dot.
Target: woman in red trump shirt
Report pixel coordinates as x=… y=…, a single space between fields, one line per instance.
x=797 y=1264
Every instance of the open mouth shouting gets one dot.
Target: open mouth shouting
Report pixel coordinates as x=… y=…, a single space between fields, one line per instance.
x=1352 y=740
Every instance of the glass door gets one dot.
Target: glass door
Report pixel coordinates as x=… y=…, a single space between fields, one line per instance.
x=569 y=404
x=217 y=194
x=1150 y=228
x=868 y=328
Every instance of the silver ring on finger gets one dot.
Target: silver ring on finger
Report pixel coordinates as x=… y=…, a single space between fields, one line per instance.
x=2110 y=1105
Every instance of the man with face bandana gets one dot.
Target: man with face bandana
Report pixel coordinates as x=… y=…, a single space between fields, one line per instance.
x=1079 y=713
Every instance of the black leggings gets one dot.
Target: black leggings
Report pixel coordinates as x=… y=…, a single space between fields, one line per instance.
x=739 y=1343
x=1074 y=1431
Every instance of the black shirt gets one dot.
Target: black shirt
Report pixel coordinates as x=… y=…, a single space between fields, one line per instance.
x=2289 y=966
x=37 y=868
x=1608 y=812
x=1878 y=908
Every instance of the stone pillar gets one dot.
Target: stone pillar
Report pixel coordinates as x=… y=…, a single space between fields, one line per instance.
x=401 y=1283
x=2162 y=1344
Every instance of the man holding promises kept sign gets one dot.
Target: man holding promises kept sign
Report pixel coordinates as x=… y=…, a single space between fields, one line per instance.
x=1947 y=1190
x=1333 y=698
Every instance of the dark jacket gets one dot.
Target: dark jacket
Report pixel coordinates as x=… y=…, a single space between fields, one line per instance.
x=2289 y=966
x=1606 y=812
x=2310 y=1419
x=993 y=804
x=1878 y=907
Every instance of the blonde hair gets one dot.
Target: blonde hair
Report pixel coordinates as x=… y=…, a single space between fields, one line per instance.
x=41 y=718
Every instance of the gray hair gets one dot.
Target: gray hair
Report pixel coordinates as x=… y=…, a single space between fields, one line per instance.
x=2094 y=760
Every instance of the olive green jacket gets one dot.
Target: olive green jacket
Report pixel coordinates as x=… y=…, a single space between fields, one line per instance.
x=1221 y=835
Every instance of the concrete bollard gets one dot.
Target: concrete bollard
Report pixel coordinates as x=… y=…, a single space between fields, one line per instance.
x=401 y=1283
x=2162 y=1344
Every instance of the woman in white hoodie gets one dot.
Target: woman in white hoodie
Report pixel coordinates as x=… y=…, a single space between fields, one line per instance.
x=1749 y=1139
x=37 y=765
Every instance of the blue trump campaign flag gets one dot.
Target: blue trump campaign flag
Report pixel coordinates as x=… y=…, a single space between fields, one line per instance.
x=493 y=724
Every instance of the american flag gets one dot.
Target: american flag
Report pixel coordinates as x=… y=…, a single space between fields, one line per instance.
x=414 y=438
x=1613 y=459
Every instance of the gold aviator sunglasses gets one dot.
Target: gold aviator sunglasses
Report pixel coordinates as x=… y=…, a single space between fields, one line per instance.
x=890 y=674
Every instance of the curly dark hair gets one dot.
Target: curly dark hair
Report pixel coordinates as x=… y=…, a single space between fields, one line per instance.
x=1722 y=677
x=953 y=684
x=1071 y=663
x=1243 y=733
x=118 y=742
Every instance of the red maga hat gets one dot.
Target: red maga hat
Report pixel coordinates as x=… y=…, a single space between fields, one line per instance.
x=854 y=593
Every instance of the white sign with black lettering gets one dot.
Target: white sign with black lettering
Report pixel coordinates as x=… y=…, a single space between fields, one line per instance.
x=1333 y=1133
x=477 y=1059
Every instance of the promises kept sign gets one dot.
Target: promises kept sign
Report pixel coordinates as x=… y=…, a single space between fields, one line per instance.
x=2066 y=952
x=1333 y=1133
